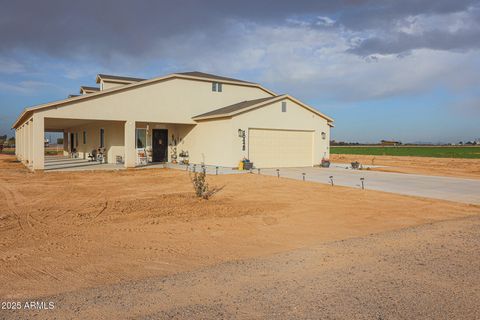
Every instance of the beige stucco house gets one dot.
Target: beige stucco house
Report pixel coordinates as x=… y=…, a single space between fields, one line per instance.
x=214 y=120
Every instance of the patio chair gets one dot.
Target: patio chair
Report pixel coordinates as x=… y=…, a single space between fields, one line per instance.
x=101 y=155
x=92 y=156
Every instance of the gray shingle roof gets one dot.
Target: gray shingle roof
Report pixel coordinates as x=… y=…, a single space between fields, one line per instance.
x=234 y=107
x=209 y=76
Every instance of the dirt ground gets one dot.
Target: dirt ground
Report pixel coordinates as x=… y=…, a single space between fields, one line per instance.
x=426 y=272
x=62 y=232
x=460 y=168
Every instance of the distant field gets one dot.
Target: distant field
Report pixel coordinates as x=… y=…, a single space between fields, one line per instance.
x=421 y=151
x=8 y=151
x=48 y=151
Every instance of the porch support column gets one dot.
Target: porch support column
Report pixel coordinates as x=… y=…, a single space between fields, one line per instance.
x=17 y=143
x=29 y=142
x=22 y=145
x=25 y=145
x=65 y=143
x=38 y=142
x=129 y=142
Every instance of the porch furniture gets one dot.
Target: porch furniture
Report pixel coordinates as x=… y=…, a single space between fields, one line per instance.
x=74 y=154
x=101 y=156
x=92 y=156
x=142 y=159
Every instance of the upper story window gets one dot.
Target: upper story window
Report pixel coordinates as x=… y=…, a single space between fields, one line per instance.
x=284 y=106
x=216 y=87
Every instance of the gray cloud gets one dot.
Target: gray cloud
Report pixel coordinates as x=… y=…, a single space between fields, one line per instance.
x=402 y=42
x=451 y=31
x=137 y=28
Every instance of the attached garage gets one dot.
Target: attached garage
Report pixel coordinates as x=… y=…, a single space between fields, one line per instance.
x=280 y=148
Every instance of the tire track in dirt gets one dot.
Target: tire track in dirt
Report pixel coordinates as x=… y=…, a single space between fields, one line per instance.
x=21 y=207
x=11 y=204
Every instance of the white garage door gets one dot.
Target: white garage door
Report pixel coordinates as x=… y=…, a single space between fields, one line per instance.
x=280 y=148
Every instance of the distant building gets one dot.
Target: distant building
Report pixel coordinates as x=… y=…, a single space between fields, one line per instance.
x=390 y=143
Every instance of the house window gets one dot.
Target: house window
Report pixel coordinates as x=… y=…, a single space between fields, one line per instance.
x=284 y=106
x=102 y=138
x=216 y=87
x=141 y=138
x=84 y=137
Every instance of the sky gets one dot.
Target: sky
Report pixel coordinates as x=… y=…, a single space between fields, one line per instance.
x=405 y=70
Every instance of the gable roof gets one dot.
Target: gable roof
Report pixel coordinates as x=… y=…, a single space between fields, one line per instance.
x=244 y=106
x=87 y=88
x=117 y=78
x=199 y=74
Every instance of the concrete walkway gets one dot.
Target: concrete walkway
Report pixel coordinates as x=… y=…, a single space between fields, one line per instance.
x=60 y=163
x=446 y=188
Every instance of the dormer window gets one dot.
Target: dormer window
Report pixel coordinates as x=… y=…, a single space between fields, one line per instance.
x=216 y=87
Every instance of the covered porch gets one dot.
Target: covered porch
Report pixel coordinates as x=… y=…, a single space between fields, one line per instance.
x=91 y=142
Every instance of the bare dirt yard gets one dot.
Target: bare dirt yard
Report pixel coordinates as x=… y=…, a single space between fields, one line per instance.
x=450 y=167
x=62 y=232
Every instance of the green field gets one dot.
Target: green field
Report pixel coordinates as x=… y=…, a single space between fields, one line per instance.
x=48 y=152
x=420 y=151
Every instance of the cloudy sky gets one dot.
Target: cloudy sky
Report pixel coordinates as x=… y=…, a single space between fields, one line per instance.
x=407 y=70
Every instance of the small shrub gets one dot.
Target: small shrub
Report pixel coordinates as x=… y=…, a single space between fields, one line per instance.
x=200 y=185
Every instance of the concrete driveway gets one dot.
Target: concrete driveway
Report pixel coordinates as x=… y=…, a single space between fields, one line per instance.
x=446 y=188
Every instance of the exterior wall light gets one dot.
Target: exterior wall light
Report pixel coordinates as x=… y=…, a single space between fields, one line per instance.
x=324 y=135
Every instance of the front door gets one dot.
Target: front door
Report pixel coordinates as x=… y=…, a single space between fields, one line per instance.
x=159 y=145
